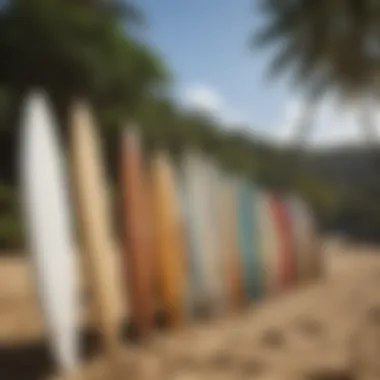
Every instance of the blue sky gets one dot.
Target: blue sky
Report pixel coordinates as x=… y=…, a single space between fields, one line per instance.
x=205 y=43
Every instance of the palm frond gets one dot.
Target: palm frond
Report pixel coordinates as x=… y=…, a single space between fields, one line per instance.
x=283 y=60
x=341 y=35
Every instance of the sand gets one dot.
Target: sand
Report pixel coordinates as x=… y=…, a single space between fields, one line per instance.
x=329 y=329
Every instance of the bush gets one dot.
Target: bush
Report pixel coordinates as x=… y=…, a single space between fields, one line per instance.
x=10 y=221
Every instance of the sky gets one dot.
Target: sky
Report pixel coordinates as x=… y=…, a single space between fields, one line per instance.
x=206 y=45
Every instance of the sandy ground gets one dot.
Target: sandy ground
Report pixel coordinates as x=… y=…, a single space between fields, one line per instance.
x=328 y=330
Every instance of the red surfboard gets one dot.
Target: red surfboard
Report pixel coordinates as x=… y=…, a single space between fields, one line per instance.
x=138 y=244
x=283 y=226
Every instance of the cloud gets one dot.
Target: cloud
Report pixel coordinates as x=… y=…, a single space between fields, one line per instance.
x=204 y=98
x=333 y=124
x=293 y=110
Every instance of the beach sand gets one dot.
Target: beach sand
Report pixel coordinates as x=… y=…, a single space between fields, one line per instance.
x=325 y=330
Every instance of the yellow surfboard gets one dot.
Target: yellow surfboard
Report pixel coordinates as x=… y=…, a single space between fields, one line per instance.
x=101 y=264
x=169 y=246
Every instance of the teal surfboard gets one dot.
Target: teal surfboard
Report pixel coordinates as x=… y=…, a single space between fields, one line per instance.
x=245 y=232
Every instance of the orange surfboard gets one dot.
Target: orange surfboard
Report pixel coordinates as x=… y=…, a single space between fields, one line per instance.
x=286 y=267
x=169 y=261
x=138 y=244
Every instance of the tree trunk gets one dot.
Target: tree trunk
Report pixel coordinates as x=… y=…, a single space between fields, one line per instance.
x=368 y=124
x=301 y=134
x=304 y=124
x=61 y=102
x=9 y=137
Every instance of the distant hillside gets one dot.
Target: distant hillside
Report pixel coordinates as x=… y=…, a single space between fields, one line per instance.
x=354 y=175
x=352 y=168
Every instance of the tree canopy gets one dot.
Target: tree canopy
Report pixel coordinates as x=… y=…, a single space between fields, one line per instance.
x=327 y=44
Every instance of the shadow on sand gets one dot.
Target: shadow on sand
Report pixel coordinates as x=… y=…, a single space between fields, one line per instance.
x=34 y=361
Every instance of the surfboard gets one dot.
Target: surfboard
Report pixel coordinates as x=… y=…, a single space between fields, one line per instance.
x=306 y=241
x=198 y=291
x=245 y=230
x=185 y=243
x=286 y=254
x=206 y=219
x=169 y=249
x=217 y=228
x=256 y=242
x=138 y=243
x=269 y=245
x=295 y=216
x=94 y=227
x=290 y=227
x=50 y=240
x=213 y=194
x=232 y=268
x=189 y=303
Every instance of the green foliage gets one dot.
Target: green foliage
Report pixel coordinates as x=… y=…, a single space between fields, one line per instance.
x=75 y=48
x=326 y=44
x=10 y=226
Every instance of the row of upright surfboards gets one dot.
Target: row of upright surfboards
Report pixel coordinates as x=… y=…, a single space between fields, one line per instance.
x=195 y=239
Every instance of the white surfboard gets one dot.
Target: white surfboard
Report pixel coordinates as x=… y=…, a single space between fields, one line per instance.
x=199 y=177
x=46 y=212
x=194 y=184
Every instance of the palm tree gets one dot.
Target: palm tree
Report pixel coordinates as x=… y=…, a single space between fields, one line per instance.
x=327 y=45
